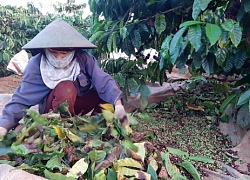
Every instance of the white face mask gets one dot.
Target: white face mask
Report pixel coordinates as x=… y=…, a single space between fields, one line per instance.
x=54 y=71
x=59 y=63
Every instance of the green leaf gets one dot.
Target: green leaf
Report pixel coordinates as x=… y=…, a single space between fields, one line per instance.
x=224 y=36
x=97 y=156
x=190 y=23
x=123 y=32
x=166 y=43
x=194 y=36
x=208 y=63
x=143 y=102
x=221 y=56
x=239 y=58
x=224 y=118
x=54 y=163
x=243 y=118
x=100 y=175
x=136 y=38
x=56 y=176
x=172 y=170
x=196 y=9
x=152 y=172
x=175 y=43
x=164 y=52
x=114 y=41
x=202 y=159
x=227 y=101
x=5 y=57
x=95 y=36
x=37 y=118
x=229 y=64
x=145 y=91
x=244 y=98
x=145 y=116
x=108 y=115
x=160 y=23
x=127 y=47
x=197 y=61
x=191 y=169
x=112 y=175
x=132 y=120
x=213 y=33
x=63 y=108
x=177 y=152
x=128 y=144
x=228 y=25
x=204 y=4
x=236 y=35
x=135 y=89
x=111 y=42
x=151 y=2
x=247 y=6
x=20 y=149
x=96 y=143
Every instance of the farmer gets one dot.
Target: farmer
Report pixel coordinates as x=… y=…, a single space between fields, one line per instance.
x=62 y=72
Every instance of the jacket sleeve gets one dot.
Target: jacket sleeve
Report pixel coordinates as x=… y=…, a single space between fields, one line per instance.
x=103 y=83
x=31 y=92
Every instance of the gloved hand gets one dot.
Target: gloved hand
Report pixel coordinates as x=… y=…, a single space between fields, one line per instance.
x=3 y=131
x=120 y=113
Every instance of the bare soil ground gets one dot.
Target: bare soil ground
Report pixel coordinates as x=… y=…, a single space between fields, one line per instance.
x=9 y=84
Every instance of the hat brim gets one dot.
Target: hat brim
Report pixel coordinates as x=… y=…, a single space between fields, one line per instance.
x=59 y=34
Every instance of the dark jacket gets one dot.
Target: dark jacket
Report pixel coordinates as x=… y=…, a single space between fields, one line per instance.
x=33 y=91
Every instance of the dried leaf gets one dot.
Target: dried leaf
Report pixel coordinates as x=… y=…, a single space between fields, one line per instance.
x=127 y=162
x=79 y=168
x=73 y=137
x=193 y=107
x=128 y=130
x=120 y=176
x=153 y=162
x=127 y=171
x=149 y=147
x=89 y=128
x=134 y=155
x=4 y=157
x=59 y=132
x=142 y=175
x=163 y=173
x=141 y=150
x=112 y=157
x=108 y=107
x=138 y=136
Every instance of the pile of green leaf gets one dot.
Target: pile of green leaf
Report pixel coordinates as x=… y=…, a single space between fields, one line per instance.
x=82 y=147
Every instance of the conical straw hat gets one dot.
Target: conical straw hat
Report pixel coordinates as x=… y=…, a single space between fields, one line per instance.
x=59 y=34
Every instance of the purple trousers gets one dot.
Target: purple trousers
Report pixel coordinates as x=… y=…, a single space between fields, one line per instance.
x=66 y=91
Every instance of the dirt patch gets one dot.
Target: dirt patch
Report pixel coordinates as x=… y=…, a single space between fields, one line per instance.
x=9 y=84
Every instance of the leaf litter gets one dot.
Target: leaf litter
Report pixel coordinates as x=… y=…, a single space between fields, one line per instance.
x=177 y=138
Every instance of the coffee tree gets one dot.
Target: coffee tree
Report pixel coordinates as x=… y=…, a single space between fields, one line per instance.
x=209 y=36
x=19 y=25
